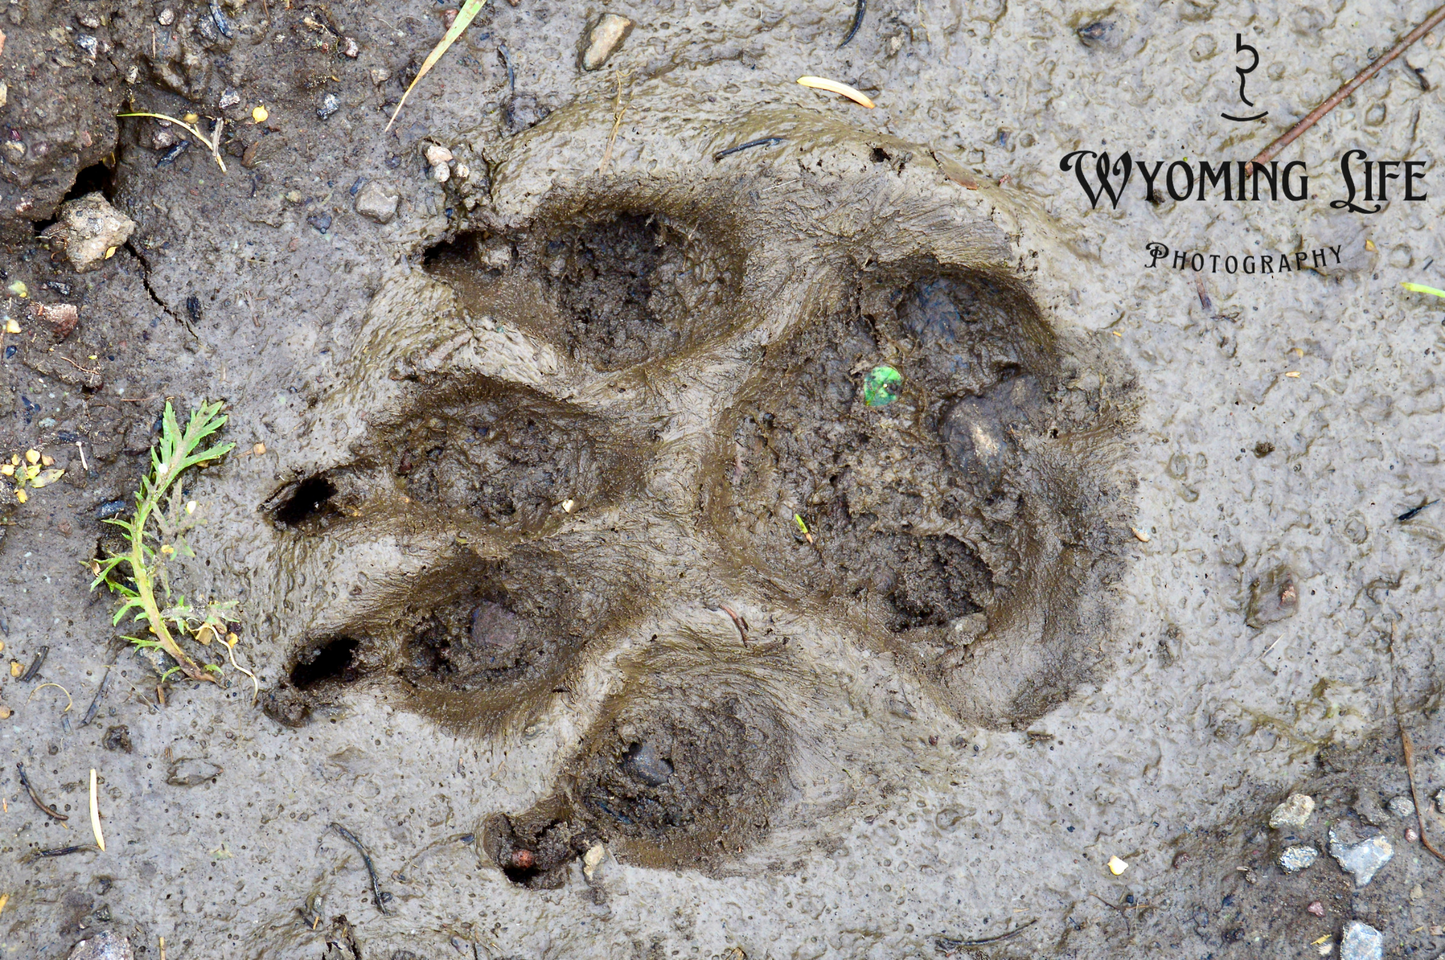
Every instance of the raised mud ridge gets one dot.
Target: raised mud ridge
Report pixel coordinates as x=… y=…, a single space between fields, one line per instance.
x=564 y=480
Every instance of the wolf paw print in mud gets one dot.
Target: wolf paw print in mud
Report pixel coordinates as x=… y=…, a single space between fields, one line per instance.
x=602 y=482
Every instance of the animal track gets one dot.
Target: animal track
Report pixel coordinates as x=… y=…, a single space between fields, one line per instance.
x=592 y=424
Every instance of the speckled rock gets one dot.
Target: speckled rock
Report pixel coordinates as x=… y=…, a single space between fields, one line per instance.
x=88 y=230
x=105 y=945
x=1296 y=858
x=604 y=39
x=1294 y=812
x=1364 y=859
x=1361 y=942
x=1402 y=806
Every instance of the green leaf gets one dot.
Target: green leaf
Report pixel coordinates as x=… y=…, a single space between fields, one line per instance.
x=881 y=386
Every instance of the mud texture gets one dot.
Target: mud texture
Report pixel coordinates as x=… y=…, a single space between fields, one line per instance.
x=595 y=610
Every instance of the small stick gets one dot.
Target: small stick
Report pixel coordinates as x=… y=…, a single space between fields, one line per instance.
x=511 y=74
x=49 y=811
x=83 y=465
x=1315 y=115
x=960 y=944
x=857 y=22
x=1414 y=512
x=738 y=622
x=62 y=851
x=762 y=142
x=381 y=895
x=1414 y=791
x=1204 y=300
x=35 y=665
x=95 y=813
x=99 y=692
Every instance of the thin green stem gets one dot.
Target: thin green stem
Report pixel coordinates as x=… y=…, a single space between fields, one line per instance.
x=174 y=454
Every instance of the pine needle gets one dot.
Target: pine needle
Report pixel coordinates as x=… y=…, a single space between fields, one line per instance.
x=468 y=13
x=213 y=144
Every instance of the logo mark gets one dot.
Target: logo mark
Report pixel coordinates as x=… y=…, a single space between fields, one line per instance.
x=1239 y=47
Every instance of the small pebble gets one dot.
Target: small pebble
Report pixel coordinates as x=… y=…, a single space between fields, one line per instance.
x=1273 y=597
x=329 y=105
x=166 y=17
x=162 y=137
x=105 y=945
x=230 y=97
x=608 y=34
x=321 y=221
x=350 y=48
x=436 y=155
x=379 y=76
x=1362 y=942
x=1410 y=835
x=1296 y=858
x=376 y=202
x=1316 y=908
x=1294 y=812
x=191 y=772
x=111 y=508
x=1402 y=807
x=86 y=229
x=1117 y=866
x=1364 y=859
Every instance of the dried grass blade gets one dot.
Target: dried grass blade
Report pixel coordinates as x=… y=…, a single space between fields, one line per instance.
x=95 y=813
x=468 y=13
x=212 y=145
x=833 y=86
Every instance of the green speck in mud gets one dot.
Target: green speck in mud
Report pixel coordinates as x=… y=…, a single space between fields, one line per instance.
x=881 y=386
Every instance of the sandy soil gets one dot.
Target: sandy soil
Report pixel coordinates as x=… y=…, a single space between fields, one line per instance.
x=513 y=517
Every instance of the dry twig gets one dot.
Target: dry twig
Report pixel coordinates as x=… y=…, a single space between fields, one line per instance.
x=1353 y=84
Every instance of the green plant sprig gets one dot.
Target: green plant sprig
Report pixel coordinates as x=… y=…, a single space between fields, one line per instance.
x=147 y=548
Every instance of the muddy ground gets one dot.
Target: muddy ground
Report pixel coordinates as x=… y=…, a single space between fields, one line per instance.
x=588 y=587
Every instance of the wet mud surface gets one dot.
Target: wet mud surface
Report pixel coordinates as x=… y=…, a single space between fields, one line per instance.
x=603 y=603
